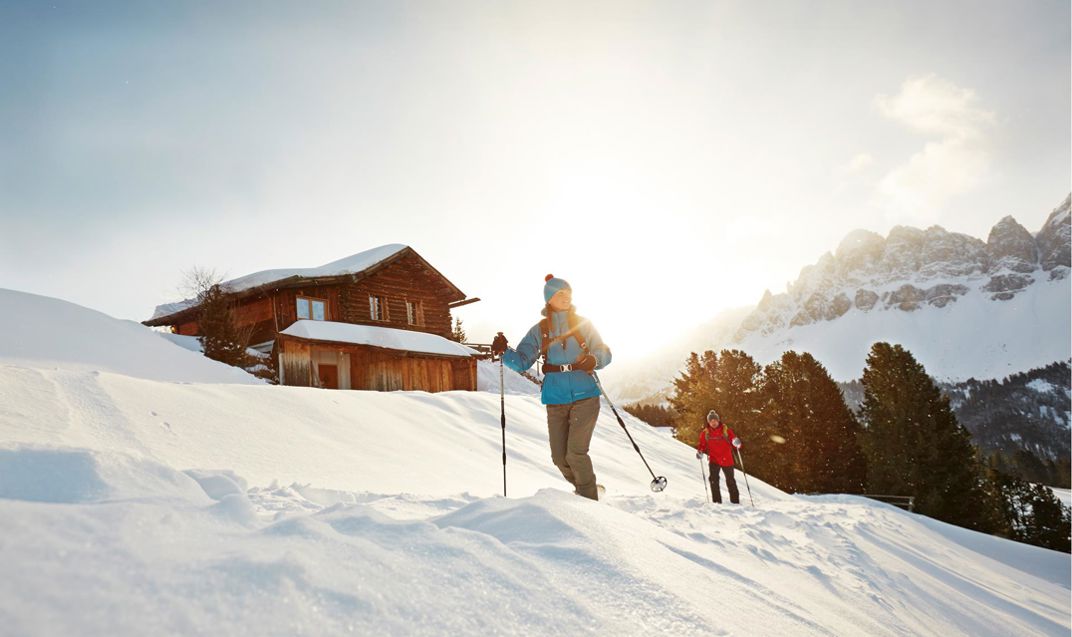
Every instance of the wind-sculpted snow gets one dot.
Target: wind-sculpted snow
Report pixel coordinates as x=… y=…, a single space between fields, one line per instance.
x=271 y=561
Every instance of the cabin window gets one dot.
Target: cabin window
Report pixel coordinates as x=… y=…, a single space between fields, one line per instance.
x=414 y=316
x=377 y=308
x=315 y=309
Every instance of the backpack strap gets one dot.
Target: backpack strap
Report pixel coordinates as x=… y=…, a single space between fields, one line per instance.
x=575 y=323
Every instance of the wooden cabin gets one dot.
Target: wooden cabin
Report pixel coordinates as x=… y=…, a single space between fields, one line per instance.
x=377 y=320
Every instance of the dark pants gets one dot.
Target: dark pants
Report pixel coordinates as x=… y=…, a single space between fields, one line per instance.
x=731 y=484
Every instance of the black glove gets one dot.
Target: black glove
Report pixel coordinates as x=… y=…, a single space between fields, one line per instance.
x=586 y=364
x=498 y=345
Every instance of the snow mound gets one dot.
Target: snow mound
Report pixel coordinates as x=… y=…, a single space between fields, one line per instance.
x=68 y=475
x=43 y=332
x=487 y=379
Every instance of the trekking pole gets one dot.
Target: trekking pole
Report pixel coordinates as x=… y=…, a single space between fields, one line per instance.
x=502 y=412
x=703 y=476
x=658 y=483
x=746 y=479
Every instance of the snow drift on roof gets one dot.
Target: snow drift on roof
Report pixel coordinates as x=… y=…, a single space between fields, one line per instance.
x=349 y=265
x=386 y=337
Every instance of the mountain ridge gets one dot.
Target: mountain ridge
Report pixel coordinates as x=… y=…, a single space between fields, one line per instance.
x=910 y=268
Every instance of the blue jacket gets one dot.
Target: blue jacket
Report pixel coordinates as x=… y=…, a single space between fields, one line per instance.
x=561 y=388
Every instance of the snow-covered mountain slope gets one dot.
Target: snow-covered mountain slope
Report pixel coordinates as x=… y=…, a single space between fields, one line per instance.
x=966 y=308
x=133 y=506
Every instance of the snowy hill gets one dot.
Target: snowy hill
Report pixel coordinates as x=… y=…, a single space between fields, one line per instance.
x=134 y=505
x=966 y=308
x=41 y=332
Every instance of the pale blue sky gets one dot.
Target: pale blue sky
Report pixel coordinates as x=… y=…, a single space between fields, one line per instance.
x=681 y=155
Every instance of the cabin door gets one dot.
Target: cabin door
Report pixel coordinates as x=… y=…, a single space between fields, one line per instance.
x=329 y=376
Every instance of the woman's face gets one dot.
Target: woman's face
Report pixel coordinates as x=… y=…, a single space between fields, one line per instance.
x=562 y=300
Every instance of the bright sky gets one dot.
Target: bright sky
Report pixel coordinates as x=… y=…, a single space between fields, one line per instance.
x=670 y=159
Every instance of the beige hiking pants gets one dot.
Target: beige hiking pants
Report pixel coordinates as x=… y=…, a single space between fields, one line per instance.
x=570 y=428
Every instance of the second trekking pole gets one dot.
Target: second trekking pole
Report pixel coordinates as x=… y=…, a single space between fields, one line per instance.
x=703 y=476
x=502 y=406
x=746 y=479
x=658 y=483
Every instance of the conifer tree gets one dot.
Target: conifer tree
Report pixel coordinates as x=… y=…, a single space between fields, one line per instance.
x=458 y=333
x=1034 y=514
x=915 y=446
x=808 y=436
x=727 y=382
x=654 y=415
x=220 y=339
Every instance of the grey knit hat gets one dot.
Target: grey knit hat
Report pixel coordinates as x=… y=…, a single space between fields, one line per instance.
x=712 y=415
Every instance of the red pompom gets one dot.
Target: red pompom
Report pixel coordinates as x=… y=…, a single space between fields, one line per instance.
x=548 y=277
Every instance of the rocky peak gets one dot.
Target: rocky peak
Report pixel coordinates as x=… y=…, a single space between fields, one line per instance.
x=860 y=250
x=903 y=249
x=1055 y=241
x=952 y=254
x=1011 y=247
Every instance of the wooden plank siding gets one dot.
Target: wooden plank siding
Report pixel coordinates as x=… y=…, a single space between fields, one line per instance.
x=376 y=368
x=405 y=279
x=187 y=329
x=296 y=363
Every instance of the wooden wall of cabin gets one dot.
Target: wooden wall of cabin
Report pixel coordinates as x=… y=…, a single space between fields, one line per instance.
x=375 y=369
x=405 y=279
x=257 y=316
x=295 y=363
x=187 y=329
x=286 y=303
x=349 y=303
x=464 y=370
x=379 y=370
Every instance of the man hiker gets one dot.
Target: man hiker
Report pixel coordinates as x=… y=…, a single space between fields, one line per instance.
x=718 y=441
x=572 y=350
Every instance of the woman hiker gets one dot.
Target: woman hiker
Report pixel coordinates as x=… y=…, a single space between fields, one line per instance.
x=718 y=441
x=572 y=350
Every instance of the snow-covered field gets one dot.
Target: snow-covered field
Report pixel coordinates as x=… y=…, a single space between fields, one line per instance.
x=146 y=490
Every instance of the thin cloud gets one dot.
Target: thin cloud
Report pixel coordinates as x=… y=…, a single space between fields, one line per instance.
x=954 y=163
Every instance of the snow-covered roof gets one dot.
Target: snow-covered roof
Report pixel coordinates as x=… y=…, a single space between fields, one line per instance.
x=352 y=264
x=386 y=337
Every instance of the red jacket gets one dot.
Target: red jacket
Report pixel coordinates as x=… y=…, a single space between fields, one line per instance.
x=717 y=443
